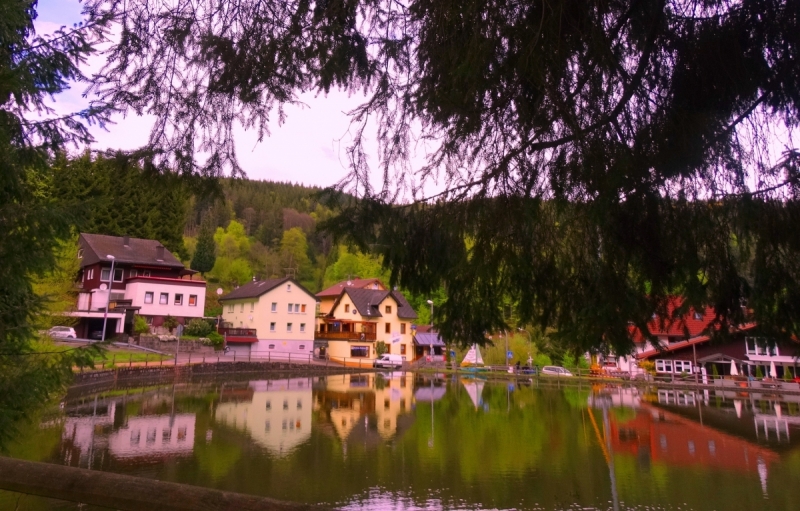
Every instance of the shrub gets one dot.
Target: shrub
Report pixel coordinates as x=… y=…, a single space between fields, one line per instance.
x=216 y=339
x=198 y=328
x=170 y=323
x=140 y=325
x=542 y=360
x=380 y=348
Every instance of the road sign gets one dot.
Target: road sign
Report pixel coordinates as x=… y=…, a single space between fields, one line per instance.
x=510 y=354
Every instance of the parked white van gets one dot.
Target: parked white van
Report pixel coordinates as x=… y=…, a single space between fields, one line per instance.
x=389 y=360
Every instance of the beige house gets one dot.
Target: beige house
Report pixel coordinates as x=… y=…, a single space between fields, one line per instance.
x=269 y=318
x=350 y=326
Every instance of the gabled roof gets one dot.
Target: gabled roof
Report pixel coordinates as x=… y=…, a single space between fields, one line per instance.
x=679 y=326
x=138 y=251
x=685 y=344
x=259 y=287
x=336 y=289
x=367 y=302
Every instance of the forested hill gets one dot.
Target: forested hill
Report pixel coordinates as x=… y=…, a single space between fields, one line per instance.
x=254 y=228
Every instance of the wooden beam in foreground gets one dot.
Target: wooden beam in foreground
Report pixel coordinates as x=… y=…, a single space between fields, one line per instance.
x=126 y=493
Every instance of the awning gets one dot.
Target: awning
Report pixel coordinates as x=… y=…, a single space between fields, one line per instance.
x=428 y=339
x=241 y=339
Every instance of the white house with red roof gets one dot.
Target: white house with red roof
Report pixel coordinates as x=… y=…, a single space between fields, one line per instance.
x=147 y=280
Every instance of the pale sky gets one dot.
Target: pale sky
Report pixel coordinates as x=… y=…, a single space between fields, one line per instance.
x=309 y=148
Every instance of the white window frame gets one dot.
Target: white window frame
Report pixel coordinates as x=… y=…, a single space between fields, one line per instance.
x=230 y=307
x=107 y=273
x=121 y=274
x=288 y=328
x=163 y=299
x=134 y=274
x=288 y=288
x=91 y=274
x=297 y=308
x=152 y=296
x=192 y=298
x=272 y=326
x=241 y=307
x=252 y=306
x=290 y=308
x=303 y=308
x=302 y=327
x=145 y=273
x=274 y=306
x=178 y=299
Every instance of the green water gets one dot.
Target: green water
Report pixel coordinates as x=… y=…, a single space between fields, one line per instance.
x=397 y=441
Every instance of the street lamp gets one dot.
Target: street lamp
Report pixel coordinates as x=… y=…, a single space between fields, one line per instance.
x=108 y=300
x=430 y=302
x=530 y=360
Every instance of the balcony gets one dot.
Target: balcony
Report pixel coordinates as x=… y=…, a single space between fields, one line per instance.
x=238 y=332
x=345 y=336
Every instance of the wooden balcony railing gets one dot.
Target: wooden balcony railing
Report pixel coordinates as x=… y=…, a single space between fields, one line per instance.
x=348 y=336
x=238 y=332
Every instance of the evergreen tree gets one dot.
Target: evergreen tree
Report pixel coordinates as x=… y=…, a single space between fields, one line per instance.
x=205 y=254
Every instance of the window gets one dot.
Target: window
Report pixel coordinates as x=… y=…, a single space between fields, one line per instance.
x=90 y=275
x=285 y=404
x=230 y=308
x=146 y=273
x=269 y=404
x=272 y=327
x=359 y=351
x=303 y=308
x=118 y=272
x=163 y=299
x=80 y=253
x=105 y=274
x=288 y=288
x=178 y=299
x=402 y=328
x=252 y=305
x=192 y=300
x=760 y=346
x=274 y=306
x=148 y=297
x=288 y=327
x=663 y=366
x=388 y=309
x=241 y=307
x=290 y=308
x=134 y=273
x=388 y=328
x=302 y=329
x=272 y=346
x=297 y=308
x=302 y=347
x=682 y=366
x=402 y=349
x=347 y=307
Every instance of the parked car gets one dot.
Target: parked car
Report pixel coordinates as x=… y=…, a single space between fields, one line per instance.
x=555 y=371
x=62 y=332
x=388 y=360
x=96 y=334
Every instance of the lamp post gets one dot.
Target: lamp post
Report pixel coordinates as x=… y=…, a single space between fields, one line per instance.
x=108 y=300
x=530 y=360
x=430 y=302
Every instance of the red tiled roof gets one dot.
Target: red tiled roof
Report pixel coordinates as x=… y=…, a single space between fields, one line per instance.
x=677 y=327
x=683 y=344
x=336 y=289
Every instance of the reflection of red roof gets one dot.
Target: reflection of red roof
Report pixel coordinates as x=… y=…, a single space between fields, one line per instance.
x=336 y=289
x=677 y=327
x=678 y=441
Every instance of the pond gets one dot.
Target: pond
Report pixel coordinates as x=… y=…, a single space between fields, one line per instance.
x=399 y=441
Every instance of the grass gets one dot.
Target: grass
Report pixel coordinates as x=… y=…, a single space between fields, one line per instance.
x=122 y=356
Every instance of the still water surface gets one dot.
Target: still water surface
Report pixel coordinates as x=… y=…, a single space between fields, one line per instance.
x=399 y=441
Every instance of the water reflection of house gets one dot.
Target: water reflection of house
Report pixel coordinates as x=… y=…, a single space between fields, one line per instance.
x=277 y=414
x=83 y=433
x=662 y=436
x=366 y=407
x=154 y=437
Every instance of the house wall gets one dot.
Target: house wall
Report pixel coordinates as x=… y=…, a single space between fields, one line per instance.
x=257 y=313
x=138 y=287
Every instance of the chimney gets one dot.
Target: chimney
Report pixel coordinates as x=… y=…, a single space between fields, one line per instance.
x=126 y=241
x=159 y=253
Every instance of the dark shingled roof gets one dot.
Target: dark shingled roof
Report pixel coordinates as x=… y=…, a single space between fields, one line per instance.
x=259 y=287
x=138 y=251
x=367 y=302
x=428 y=339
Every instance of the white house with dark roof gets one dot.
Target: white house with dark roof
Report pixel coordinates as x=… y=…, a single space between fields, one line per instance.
x=359 y=318
x=269 y=318
x=147 y=279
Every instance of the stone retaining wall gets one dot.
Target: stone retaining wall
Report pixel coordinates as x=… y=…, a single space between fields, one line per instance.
x=169 y=343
